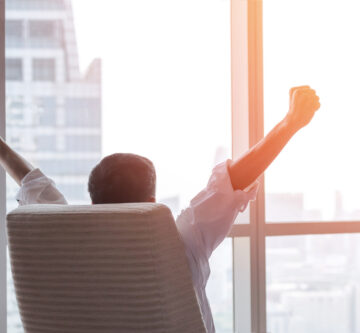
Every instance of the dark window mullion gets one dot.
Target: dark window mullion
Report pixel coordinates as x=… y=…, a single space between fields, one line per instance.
x=3 y=298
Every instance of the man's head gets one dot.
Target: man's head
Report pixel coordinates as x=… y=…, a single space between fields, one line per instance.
x=122 y=178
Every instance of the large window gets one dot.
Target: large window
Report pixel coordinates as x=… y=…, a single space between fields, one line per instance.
x=145 y=82
x=318 y=170
x=188 y=84
x=303 y=241
x=312 y=280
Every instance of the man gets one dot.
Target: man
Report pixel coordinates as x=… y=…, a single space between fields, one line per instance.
x=206 y=222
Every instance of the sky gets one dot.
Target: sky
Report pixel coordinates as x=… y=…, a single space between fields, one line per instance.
x=316 y=43
x=166 y=82
x=166 y=88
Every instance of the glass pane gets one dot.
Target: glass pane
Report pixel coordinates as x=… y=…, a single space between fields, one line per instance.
x=313 y=283
x=166 y=86
x=313 y=42
x=148 y=77
x=14 y=30
x=47 y=34
x=14 y=70
x=220 y=287
x=43 y=69
x=242 y=284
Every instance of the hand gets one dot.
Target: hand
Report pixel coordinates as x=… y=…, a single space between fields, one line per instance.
x=303 y=104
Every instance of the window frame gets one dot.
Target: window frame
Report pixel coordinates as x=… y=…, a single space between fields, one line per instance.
x=248 y=120
x=3 y=275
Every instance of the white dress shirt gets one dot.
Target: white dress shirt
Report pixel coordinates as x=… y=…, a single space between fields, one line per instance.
x=202 y=226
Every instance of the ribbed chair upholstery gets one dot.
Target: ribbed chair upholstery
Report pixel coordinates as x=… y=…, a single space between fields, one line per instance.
x=101 y=268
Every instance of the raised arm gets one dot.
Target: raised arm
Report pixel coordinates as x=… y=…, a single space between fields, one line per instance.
x=303 y=104
x=15 y=165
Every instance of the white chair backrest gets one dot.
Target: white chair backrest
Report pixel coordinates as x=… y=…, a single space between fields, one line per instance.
x=101 y=268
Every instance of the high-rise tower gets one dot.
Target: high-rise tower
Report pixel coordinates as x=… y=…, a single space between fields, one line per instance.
x=53 y=110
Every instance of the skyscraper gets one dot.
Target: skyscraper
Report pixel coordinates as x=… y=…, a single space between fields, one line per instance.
x=53 y=110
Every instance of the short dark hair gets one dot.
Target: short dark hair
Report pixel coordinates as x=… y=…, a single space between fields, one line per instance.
x=122 y=178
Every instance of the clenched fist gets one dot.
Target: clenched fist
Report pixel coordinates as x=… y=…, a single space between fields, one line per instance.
x=303 y=104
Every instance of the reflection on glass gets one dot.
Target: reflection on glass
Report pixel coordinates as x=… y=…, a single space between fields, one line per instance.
x=316 y=177
x=313 y=284
x=161 y=89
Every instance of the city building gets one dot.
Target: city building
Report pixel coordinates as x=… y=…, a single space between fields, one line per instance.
x=53 y=110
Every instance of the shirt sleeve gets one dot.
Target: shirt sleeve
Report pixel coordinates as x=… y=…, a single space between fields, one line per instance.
x=208 y=220
x=36 y=188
